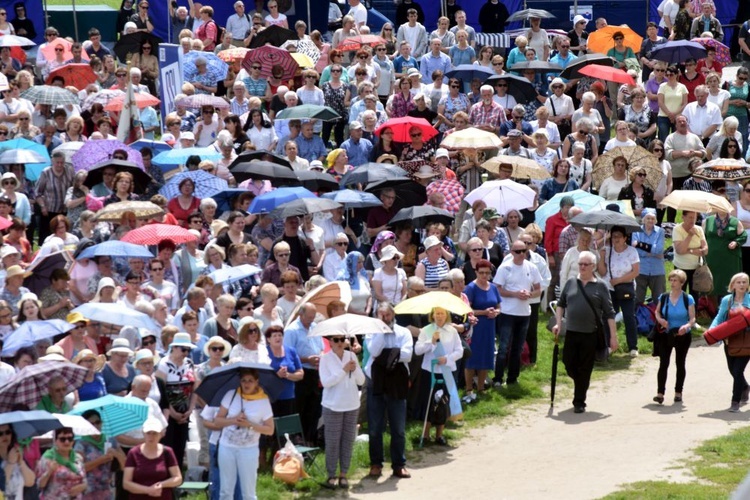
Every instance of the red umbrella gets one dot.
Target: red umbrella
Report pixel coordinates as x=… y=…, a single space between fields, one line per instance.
x=269 y=56
x=142 y=100
x=153 y=234
x=356 y=42
x=606 y=73
x=77 y=75
x=402 y=126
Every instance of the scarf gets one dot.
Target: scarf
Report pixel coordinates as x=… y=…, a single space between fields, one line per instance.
x=252 y=397
x=69 y=462
x=721 y=225
x=47 y=404
x=97 y=442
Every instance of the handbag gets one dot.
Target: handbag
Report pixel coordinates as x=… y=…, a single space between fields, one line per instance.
x=624 y=291
x=739 y=344
x=703 y=279
x=602 y=348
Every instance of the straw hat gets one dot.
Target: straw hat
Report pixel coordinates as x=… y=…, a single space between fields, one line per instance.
x=120 y=345
x=76 y=317
x=217 y=340
x=54 y=353
x=217 y=226
x=389 y=253
x=182 y=339
x=143 y=354
x=13 y=271
x=89 y=354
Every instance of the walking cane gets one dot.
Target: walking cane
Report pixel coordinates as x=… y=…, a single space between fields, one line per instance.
x=429 y=400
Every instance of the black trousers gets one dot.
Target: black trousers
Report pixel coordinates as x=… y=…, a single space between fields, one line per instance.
x=338 y=131
x=308 y=395
x=579 y=353
x=176 y=438
x=737 y=365
x=531 y=333
x=680 y=344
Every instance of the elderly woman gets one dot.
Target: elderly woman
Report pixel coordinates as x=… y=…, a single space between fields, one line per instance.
x=353 y=272
x=728 y=130
x=203 y=80
x=269 y=313
x=151 y=468
x=60 y=227
x=613 y=185
x=335 y=259
x=560 y=182
x=250 y=346
x=452 y=103
x=60 y=472
x=389 y=281
x=93 y=385
x=122 y=189
x=725 y=236
x=621 y=138
x=184 y=204
x=584 y=133
x=542 y=153
x=98 y=454
x=690 y=245
x=223 y=325
x=433 y=267
x=118 y=373
x=580 y=167
x=639 y=113
x=640 y=195
x=338 y=163
x=649 y=243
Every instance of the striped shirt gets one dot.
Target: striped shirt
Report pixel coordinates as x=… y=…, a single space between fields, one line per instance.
x=434 y=273
x=53 y=187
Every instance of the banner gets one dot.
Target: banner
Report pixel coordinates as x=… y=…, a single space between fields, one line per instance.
x=170 y=78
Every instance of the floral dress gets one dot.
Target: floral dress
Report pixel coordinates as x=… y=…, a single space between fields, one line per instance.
x=452 y=106
x=62 y=480
x=98 y=480
x=642 y=119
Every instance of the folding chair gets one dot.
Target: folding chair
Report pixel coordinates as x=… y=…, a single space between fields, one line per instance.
x=292 y=425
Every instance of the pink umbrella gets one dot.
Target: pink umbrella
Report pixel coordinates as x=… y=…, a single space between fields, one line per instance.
x=451 y=189
x=269 y=56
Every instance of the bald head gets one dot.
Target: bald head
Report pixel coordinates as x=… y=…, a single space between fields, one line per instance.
x=574 y=211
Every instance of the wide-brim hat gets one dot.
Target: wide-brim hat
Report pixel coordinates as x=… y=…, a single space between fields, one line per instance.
x=89 y=354
x=390 y=252
x=142 y=354
x=16 y=271
x=120 y=345
x=217 y=340
x=76 y=317
x=182 y=339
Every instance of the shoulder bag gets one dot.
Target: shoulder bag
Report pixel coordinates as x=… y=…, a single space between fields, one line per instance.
x=622 y=291
x=602 y=346
x=703 y=279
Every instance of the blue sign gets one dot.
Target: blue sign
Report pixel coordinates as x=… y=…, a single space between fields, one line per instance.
x=170 y=77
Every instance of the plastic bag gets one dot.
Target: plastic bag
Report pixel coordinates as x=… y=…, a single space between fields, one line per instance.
x=289 y=464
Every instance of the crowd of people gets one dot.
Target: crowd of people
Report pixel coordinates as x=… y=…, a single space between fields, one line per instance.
x=496 y=264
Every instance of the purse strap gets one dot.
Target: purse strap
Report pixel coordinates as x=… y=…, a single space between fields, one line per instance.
x=591 y=305
x=552 y=102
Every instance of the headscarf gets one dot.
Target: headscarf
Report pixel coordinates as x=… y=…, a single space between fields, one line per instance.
x=332 y=156
x=348 y=271
x=382 y=236
x=648 y=211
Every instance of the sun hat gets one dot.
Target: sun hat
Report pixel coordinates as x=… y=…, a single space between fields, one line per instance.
x=217 y=226
x=557 y=81
x=8 y=250
x=217 y=340
x=181 y=339
x=490 y=214
x=425 y=172
x=76 y=317
x=195 y=233
x=316 y=165
x=389 y=253
x=187 y=135
x=441 y=153
x=13 y=271
x=429 y=242
x=355 y=125
x=89 y=354
x=245 y=324
x=54 y=353
x=577 y=19
x=10 y=175
x=120 y=345
x=413 y=72
x=152 y=425
x=142 y=354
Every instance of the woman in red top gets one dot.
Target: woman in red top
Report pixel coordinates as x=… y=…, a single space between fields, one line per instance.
x=184 y=204
x=552 y=230
x=151 y=469
x=207 y=31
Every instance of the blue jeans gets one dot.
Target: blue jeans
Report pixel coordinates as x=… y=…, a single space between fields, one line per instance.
x=214 y=475
x=512 y=332
x=232 y=460
x=378 y=407
x=628 y=317
x=664 y=127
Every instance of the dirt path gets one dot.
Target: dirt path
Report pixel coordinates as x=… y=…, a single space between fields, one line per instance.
x=623 y=437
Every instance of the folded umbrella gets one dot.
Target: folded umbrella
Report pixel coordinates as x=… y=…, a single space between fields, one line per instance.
x=230 y=274
x=425 y=303
x=79 y=75
x=221 y=380
x=28 y=424
x=93 y=153
x=119 y=415
x=468 y=72
x=553 y=378
x=153 y=234
x=572 y=70
x=141 y=179
x=268 y=57
x=420 y=216
x=116 y=248
x=373 y=172
x=351 y=198
x=32 y=382
x=607 y=74
x=606 y=219
x=519 y=87
x=143 y=210
x=303 y=206
x=30 y=332
x=206 y=185
x=43 y=266
x=678 y=51
x=115 y=314
x=503 y=196
x=321 y=296
x=349 y=325
x=262 y=170
x=308 y=111
x=275 y=35
x=181 y=155
x=46 y=94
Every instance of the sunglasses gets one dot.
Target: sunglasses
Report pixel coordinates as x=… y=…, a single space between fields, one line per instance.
x=641 y=174
x=455 y=86
x=59 y=50
x=185 y=349
x=65 y=439
x=501 y=85
x=335 y=71
x=497 y=64
x=658 y=150
x=6 y=433
x=733 y=146
x=338 y=340
x=156 y=269
x=342 y=244
x=148 y=342
x=256 y=67
x=380 y=50
x=519 y=252
x=742 y=79
x=8 y=183
x=583 y=132
x=476 y=249
x=217 y=348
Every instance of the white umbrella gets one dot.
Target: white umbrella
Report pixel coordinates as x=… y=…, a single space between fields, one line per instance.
x=3 y=82
x=503 y=196
x=15 y=41
x=68 y=148
x=80 y=426
x=12 y=156
x=115 y=314
x=229 y=274
x=349 y=325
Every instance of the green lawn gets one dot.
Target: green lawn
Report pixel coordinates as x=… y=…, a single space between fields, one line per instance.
x=115 y=4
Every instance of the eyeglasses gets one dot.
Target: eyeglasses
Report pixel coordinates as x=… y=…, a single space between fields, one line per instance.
x=518 y=252
x=419 y=134
x=335 y=71
x=342 y=244
x=59 y=50
x=380 y=50
x=156 y=269
x=585 y=264
x=338 y=340
x=282 y=255
x=659 y=71
x=217 y=348
x=148 y=342
x=65 y=439
x=583 y=132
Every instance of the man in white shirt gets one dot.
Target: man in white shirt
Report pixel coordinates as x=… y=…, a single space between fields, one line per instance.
x=518 y=281
x=704 y=117
x=239 y=24
x=358 y=12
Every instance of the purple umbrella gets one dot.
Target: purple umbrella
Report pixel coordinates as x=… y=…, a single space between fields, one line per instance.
x=93 y=153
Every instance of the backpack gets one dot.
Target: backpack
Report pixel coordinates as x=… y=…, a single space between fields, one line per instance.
x=645 y=317
x=219 y=33
x=664 y=307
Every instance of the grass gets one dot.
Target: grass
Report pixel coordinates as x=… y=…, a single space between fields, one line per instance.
x=115 y=4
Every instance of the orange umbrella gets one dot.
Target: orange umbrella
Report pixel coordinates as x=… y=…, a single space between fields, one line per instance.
x=77 y=75
x=142 y=100
x=233 y=54
x=602 y=40
x=49 y=50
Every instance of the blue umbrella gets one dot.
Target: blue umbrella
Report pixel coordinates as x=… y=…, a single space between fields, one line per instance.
x=467 y=72
x=115 y=314
x=224 y=199
x=351 y=198
x=180 y=156
x=206 y=185
x=116 y=248
x=33 y=170
x=119 y=415
x=156 y=146
x=229 y=274
x=28 y=424
x=227 y=378
x=214 y=65
x=678 y=51
x=583 y=199
x=267 y=202
x=32 y=331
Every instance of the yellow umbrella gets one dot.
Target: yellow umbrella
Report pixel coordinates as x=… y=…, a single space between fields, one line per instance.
x=697 y=201
x=471 y=138
x=424 y=304
x=303 y=60
x=602 y=40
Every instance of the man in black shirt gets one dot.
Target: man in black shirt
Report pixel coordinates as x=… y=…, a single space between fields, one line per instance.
x=301 y=251
x=492 y=17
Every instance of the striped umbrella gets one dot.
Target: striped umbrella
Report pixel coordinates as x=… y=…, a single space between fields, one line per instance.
x=268 y=57
x=143 y=210
x=200 y=100
x=46 y=94
x=31 y=383
x=119 y=415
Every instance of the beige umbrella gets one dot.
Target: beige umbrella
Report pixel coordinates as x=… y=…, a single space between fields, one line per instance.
x=697 y=201
x=322 y=296
x=471 y=138
x=636 y=157
x=142 y=210
x=523 y=168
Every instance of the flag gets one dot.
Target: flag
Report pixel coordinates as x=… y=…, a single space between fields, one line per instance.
x=129 y=118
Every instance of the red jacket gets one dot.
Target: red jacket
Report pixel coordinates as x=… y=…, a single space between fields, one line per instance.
x=552 y=230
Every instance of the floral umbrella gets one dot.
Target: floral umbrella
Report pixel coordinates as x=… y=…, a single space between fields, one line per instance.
x=94 y=152
x=723 y=56
x=636 y=156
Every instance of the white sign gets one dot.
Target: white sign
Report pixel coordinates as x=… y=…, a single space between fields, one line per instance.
x=170 y=77
x=586 y=11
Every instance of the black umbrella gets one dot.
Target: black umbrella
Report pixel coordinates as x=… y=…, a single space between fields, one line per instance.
x=140 y=178
x=128 y=45
x=304 y=206
x=422 y=215
x=538 y=66
x=227 y=378
x=275 y=35
x=553 y=379
x=571 y=70
x=373 y=172
x=522 y=15
x=41 y=269
x=262 y=170
x=408 y=192
x=317 y=181
x=606 y=219
x=519 y=87
x=260 y=155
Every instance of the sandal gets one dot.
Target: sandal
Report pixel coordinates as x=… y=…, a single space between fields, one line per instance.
x=343 y=483
x=330 y=483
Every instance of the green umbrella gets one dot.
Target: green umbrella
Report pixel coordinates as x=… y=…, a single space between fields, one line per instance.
x=308 y=111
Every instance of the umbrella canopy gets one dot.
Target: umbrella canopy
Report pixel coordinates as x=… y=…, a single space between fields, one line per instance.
x=723 y=169
x=401 y=128
x=32 y=331
x=583 y=199
x=268 y=202
x=42 y=267
x=321 y=296
x=200 y=100
x=15 y=41
x=308 y=111
x=607 y=73
x=262 y=170
x=11 y=156
x=206 y=185
x=316 y=181
x=722 y=51
x=143 y=210
x=116 y=248
x=80 y=426
x=523 y=168
x=33 y=170
x=572 y=70
x=233 y=54
x=473 y=138
x=247 y=156
x=503 y=196
x=519 y=87
x=153 y=234
x=678 y=51
x=49 y=50
x=349 y=325
x=636 y=156
x=308 y=48
x=155 y=146
x=525 y=14
x=468 y=72
x=606 y=219
x=351 y=198
x=141 y=179
x=93 y=153
x=227 y=378
x=302 y=60
x=115 y=314
x=46 y=94
x=119 y=415
x=373 y=172
x=102 y=97
x=225 y=198
x=537 y=66
x=275 y=35
x=356 y=42
x=28 y=424
x=268 y=57
x=602 y=40
x=230 y=274
x=408 y=192
x=127 y=45
x=180 y=156
x=303 y=206
x=420 y=216
x=451 y=189
x=425 y=303
x=31 y=383
x=77 y=75
x=68 y=149
x=697 y=201
x=4 y=83
x=142 y=100
x=215 y=67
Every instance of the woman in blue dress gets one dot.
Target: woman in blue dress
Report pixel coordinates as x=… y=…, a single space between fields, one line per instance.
x=485 y=302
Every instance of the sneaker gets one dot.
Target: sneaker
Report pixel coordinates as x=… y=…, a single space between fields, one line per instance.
x=579 y=409
x=468 y=398
x=735 y=408
x=473 y=396
x=441 y=441
x=634 y=353
x=498 y=385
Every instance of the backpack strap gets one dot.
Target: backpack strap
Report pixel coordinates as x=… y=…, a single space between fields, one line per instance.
x=662 y=303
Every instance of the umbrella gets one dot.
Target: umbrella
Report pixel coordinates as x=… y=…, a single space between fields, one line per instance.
x=451 y=189
x=553 y=379
x=722 y=51
x=46 y=94
x=697 y=201
x=156 y=146
x=351 y=198
x=636 y=156
x=33 y=170
x=217 y=68
x=233 y=54
x=11 y=156
x=424 y=304
x=519 y=87
x=42 y=267
x=537 y=66
x=503 y=196
x=31 y=383
x=268 y=202
x=349 y=325
x=116 y=248
x=79 y=75
x=268 y=57
x=523 y=168
x=525 y=14
x=472 y=138
x=200 y=100
x=115 y=314
x=275 y=35
x=206 y=185
x=224 y=199
x=102 y=97
x=130 y=44
x=571 y=71
x=401 y=128
x=353 y=43
x=68 y=149
x=153 y=234
x=408 y=192
x=79 y=425
x=141 y=179
x=606 y=219
x=248 y=156
x=93 y=153
x=32 y=331
x=678 y=51
x=262 y=170
x=308 y=111
x=373 y=172
x=303 y=206
x=49 y=50
x=143 y=210
x=607 y=74
x=181 y=155
x=4 y=82
x=316 y=181
x=28 y=424
x=309 y=48
x=723 y=169
x=230 y=274
x=302 y=60
x=142 y=100
x=602 y=40
x=468 y=72
x=119 y=415
x=422 y=215
x=321 y=296
x=221 y=380
x=582 y=199
x=15 y=41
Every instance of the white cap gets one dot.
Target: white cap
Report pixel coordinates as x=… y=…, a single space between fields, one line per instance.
x=315 y=165
x=441 y=153
x=152 y=425
x=355 y=125
x=187 y=135
x=7 y=251
x=430 y=242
